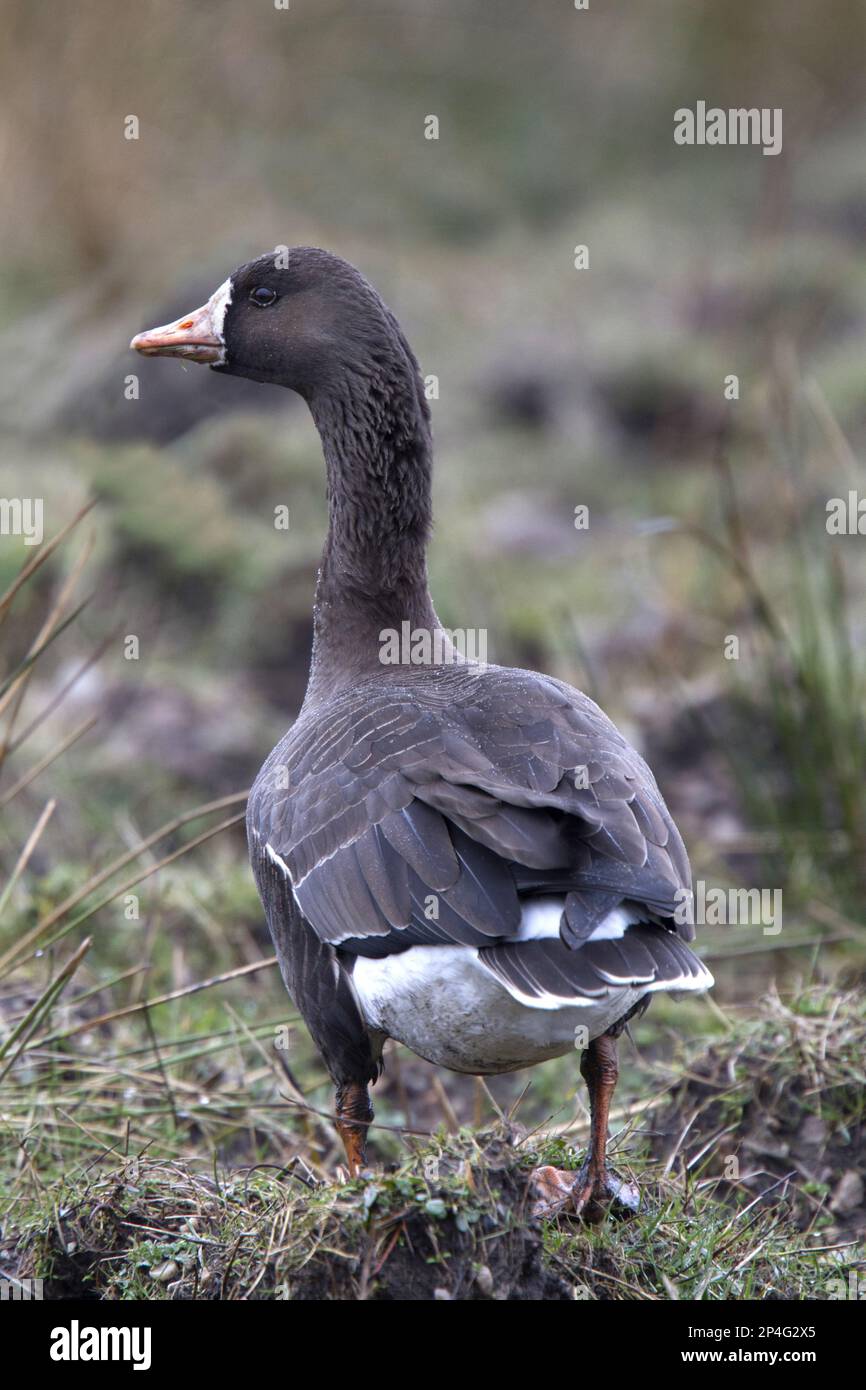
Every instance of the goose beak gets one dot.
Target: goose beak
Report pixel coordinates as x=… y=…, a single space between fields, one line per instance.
x=195 y=338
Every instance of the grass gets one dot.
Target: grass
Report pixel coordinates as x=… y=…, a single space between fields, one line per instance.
x=806 y=683
x=452 y=1217
x=165 y=1125
x=781 y=1101
x=166 y=1131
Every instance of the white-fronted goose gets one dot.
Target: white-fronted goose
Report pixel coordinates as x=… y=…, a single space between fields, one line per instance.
x=468 y=858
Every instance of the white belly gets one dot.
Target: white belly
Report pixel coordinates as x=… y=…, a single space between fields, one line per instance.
x=446 y=1006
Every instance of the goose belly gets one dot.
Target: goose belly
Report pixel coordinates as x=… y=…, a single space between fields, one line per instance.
x=441 y=1002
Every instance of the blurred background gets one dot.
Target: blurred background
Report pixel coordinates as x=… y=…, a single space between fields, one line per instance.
x=557 y=388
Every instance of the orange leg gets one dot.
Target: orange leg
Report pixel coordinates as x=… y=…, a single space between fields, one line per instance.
x=591 y=1191
x=354 y=1116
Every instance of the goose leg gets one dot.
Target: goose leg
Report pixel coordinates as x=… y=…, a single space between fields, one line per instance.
x=594 y=1188
x=354 y=1116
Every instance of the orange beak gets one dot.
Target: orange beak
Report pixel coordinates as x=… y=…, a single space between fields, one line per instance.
x=195 y=338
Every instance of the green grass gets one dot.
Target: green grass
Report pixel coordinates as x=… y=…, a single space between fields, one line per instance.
x=451 y=1216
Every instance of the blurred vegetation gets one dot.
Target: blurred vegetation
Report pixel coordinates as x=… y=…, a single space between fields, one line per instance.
x=556 y=388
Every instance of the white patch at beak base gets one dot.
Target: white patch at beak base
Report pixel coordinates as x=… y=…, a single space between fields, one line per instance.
x=218 y=304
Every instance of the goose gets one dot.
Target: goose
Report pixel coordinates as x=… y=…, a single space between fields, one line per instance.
x=468 y=858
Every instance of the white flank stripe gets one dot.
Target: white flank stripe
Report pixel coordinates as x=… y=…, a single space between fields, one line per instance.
x=277 y=859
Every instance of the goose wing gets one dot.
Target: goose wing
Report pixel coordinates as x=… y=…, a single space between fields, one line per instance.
x=421 y=810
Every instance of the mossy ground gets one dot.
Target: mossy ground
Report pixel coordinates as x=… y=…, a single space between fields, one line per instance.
x=453 y=1218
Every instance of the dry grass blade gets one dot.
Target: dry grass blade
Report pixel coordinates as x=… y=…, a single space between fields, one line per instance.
x=34 y=772
x=44 y=553
x=43 y=1005
x=26 y=943
x=58 y=698
x=159 y=999
x=145 y=873
x=24 y=857
x=12 y=683
x=54 y=625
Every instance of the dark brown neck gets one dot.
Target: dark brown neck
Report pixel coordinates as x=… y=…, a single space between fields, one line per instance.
x=375 y=434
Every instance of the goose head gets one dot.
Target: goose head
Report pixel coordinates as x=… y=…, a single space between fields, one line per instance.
x=302 y=319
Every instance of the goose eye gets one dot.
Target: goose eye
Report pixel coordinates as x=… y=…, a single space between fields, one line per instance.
x=262 y=296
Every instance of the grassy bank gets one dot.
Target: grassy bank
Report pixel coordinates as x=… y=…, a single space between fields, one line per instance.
x=742 y=1196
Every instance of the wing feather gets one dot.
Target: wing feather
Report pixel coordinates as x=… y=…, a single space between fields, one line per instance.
x=475 y=788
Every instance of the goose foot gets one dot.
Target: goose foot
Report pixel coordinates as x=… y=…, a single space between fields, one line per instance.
x=593 y=1194
x=594 y=1189
x=588 y=1194
x=353 y=1119
x=345 y=1174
